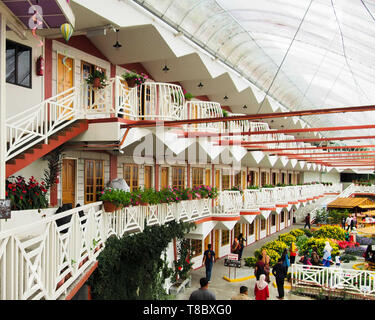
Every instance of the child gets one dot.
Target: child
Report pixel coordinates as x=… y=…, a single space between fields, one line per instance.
x=337 y=261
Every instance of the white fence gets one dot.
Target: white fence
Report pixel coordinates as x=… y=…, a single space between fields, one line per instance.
x=359 y=282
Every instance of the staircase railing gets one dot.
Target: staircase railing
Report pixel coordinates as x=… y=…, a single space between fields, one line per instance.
x=38 y=123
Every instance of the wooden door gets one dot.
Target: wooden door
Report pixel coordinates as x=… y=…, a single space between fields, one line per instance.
x=164 y=177
x=148 y=177
x=217 y=237
x=206 y=242
x=69 y=181
x=64 y=79
x=208 y=177
x=243 y=180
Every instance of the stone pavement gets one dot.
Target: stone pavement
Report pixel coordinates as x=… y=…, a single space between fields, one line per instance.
x=224 y=289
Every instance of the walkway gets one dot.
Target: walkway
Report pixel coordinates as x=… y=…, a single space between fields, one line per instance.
x=224 y=290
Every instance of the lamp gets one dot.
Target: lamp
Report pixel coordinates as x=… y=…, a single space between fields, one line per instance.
x=200 y=85
x=165 y=69
x=225 y=97
x=245 y=106
x=117 y=45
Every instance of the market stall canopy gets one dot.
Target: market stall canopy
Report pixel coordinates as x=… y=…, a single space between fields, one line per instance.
x=369 y=213
x=351 y=203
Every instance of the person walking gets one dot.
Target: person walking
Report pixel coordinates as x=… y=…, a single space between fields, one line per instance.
x=259 y=267
x=266 y=260
x=307 y=221
x=348 y=222
x=293 y=253
x=241 y=241
x=285 y=260
x=353 y=223
x=208 y=261
x=343 y=220
x=243 y=295
x=261 y=291
x=202 y=293
x=279 y=272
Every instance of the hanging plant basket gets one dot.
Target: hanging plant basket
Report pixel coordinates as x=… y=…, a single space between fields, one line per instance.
x=110 y=206
x=97 y=83
x=131 y=83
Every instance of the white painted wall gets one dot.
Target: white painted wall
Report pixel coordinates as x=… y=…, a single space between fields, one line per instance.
x=35 y=169
x=19 y=98
x=333 y=177
x=310 y=176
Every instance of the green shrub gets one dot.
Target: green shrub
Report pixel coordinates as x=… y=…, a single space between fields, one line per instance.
x=336 y=216
x=308 y=232
x=301 y=241
x=348 y=257
x=276 y=245
x=274 y=255
x=250 y=261
x=319 y=243
x=297 y=232
x=287 y=238
x=330 y=232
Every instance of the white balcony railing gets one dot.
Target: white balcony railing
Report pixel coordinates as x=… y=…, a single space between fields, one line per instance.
x=359 y=282
x=36 y=124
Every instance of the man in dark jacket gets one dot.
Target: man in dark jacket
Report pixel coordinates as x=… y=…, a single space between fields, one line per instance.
x=279 y=273
x=307 y=221
x=202 y=293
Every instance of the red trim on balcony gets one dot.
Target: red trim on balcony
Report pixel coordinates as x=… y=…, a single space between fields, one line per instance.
x=281 y=205
x=73 y=292
x=249 y=213
x=303 y=200
x=268 y=208
x=293 y=202
x=235 y=218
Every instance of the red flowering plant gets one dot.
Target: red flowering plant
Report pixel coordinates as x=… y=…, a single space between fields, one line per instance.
x=183 y=265
x=204 y=192
x=26 y=195
x=346 y=244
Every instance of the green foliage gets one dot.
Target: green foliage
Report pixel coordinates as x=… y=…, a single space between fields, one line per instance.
x=287 y=238
x=138 y=78
x=301 y=240
x=96 y=74
x=26 y=195
x=319 y=243
x=348 y=257
x=116 y=196
x=54 y=168
x=276 y=245
x=331 y=232
x=132 y=268
x=225 y=113
x=307 y=232
x=252 y=187
x=183 y=265
x=321 y=216
x=297 y=232
x=268 y=186
x=336 y=216
x=250 y=261
x=274 y=255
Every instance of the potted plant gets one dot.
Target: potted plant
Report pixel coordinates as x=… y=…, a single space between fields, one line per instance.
x=97 y=79
x=188 y=96
x=114 y=199
x=134 y=79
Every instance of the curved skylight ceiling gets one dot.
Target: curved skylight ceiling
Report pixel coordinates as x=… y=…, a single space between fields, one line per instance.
x=330 y=45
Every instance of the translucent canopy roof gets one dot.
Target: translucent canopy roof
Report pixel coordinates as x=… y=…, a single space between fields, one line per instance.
x=306 y=54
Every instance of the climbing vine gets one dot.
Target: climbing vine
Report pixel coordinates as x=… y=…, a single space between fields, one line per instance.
x=134 y=267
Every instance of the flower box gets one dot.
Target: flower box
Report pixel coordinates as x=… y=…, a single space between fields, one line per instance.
x=180 y=286
x=110 y=207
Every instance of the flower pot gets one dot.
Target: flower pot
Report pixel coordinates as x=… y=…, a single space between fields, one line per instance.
x=96 y=83
x=131 y=83
x=110 y=207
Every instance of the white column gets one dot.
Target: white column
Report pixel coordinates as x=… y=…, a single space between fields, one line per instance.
x=3 y=138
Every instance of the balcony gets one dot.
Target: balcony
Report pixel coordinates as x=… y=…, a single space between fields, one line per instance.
x=43 y=258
